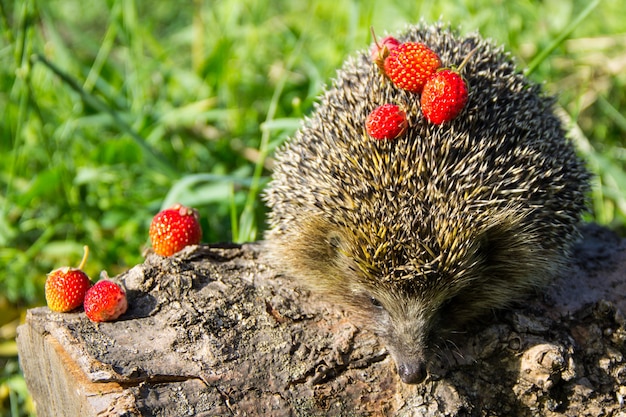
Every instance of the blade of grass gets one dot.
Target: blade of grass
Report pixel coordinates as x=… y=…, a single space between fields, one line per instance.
x=5 y=24
x=601 y=210
x=22 y=49
x=234 y=223
x=183 y=190
x=155 y=157
x=104 y=51
x=561 y=38
x=612 y=112
x=247 y=229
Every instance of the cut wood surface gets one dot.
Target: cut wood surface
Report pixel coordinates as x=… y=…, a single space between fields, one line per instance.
x=215 y=331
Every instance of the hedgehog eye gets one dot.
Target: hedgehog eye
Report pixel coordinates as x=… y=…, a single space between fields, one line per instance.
x=375 y=302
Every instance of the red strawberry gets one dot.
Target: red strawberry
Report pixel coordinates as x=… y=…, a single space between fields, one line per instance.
x=65 y=287
x=386 y=122
x=105 y=301
x=173 y=229
x=409 y=66
x=444 y=96
x=380 y=51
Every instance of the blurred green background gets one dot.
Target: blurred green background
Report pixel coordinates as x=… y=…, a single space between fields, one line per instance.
x=114 y=109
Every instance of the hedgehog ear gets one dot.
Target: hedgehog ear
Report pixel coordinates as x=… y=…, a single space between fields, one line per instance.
x=340 y=250
x=336 y=243
x=320 y=241
x=494 y=240
x=506 y=242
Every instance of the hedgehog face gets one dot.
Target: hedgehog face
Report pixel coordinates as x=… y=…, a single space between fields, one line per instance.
x=413 y=300
x=334 y=261
x=404 y=322
x=408 y=302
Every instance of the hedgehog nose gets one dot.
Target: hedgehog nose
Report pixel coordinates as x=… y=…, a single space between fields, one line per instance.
x=412 y=373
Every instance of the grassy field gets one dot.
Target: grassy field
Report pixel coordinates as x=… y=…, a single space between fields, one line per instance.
x=114 y=109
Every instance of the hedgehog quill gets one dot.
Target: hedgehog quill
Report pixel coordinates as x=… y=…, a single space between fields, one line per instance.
x=419 y=234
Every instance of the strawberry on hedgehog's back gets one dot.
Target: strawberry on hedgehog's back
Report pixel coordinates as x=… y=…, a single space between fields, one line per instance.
x=429 y=230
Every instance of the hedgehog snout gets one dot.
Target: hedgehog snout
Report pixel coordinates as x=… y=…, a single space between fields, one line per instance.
x=411 y=364
x=406 y=332
x=411 y=372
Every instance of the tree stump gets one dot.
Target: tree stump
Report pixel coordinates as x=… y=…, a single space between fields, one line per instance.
x=215 y=331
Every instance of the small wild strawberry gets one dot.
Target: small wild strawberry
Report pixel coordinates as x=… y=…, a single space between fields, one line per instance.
x=386 y=122
x=380 y=51
x=173 y=229
x=105 y=301
x=445 y=94
x=65 y=287
x=409 y=65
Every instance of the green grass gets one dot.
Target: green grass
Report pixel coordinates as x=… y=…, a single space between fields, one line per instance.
x=113 y=110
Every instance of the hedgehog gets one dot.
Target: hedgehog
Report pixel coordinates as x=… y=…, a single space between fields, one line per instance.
x=416 y=237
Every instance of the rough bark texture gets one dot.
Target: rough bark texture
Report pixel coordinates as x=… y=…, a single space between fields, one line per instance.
x=214 y=331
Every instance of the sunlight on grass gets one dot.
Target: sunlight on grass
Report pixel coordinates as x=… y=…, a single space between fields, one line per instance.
x=114 y=110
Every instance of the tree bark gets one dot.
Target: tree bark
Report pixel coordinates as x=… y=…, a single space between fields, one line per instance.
x=215 y=330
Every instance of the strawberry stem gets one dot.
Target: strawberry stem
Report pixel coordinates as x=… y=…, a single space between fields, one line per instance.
x=85 y=256
x=467 y=58
x=374 y=37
